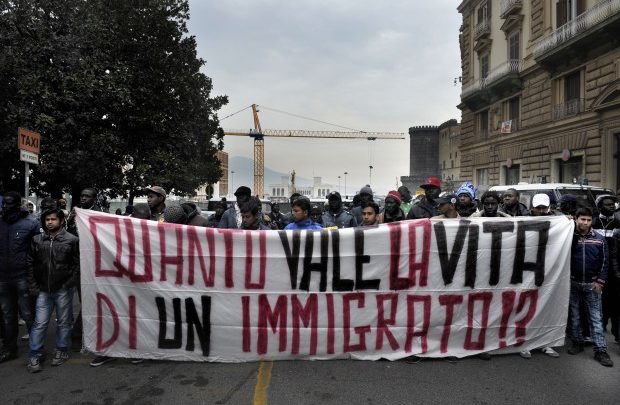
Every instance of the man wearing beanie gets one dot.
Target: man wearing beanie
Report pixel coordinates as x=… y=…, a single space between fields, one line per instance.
x=392 y=211
x=335 y=215
x=365 y=196
x=175 y=215
x=466 y=195
x=607 y=225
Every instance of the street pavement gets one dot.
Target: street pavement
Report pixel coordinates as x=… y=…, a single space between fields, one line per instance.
x=505 y=379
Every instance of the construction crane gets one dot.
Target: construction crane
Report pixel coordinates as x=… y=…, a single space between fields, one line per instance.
x=259 y=142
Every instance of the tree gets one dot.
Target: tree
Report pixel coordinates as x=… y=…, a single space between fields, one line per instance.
x=116 y=90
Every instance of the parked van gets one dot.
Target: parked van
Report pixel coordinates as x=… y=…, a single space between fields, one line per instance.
x=585 y=194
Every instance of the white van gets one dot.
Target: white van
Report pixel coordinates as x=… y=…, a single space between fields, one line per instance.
x=585 y=194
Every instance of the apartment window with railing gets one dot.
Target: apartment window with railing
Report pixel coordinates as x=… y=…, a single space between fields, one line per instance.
x=514 y=46
x=484 y=12
x=567 y=10
x=511 y=113
x=569 y=95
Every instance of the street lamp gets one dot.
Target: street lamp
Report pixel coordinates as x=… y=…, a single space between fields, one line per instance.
x=339 y=189
x=345 y=184
x=370 y=177
x=232 y=182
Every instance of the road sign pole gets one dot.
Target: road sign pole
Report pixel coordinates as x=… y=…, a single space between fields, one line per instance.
x=26 y=179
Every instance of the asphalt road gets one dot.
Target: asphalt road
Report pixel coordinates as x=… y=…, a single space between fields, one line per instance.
x=506 y=379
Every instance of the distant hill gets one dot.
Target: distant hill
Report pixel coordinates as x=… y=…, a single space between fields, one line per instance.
x=244 y=173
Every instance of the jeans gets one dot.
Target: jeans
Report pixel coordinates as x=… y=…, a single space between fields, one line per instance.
x=592 y=301
x=62 y=300
x=14 y=294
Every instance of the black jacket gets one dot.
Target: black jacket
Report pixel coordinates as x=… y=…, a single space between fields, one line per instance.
x=609 y=228
x=54 y=263
x=423 y=209
x=16 y=233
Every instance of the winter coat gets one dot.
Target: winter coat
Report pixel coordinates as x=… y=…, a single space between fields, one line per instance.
x=589 y=258
x=16 y=233
x=305 y=224
x=256 y=226
x=423 y=209
x=522 y=210
x=609 y=227
x=72 y=223
x=468 y=210
x=54 y=262
x=341 y=219
x=385 y=218
x=229 y=219
x=480 y=214
x=357 y=213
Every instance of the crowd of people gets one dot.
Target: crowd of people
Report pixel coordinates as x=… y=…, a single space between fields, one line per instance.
x=39 y=252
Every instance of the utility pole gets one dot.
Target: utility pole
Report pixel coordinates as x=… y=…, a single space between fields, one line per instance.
x=345 y=184
x=370 y=176
x=339 y=189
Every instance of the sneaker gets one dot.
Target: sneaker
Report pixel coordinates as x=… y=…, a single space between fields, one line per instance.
x=34 y=365
x=550 y=352
x=136 y=361
x=59 y=357
x=575 y=348
x=101 y=360
x=21 y=322
x=484 y=356
x=526 y=354
x=25 y=337
x=603 y=358
x=6 y=355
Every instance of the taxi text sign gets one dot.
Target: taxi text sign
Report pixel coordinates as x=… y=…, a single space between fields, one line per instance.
x=29 y=140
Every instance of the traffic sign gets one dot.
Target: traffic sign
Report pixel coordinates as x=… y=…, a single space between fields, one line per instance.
x=29 y=140
x=28 y=157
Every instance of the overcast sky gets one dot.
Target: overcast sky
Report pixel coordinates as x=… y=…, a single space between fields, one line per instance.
x=367 y=65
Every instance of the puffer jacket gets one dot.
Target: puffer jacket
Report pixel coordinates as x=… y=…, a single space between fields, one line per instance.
x=16 y=233
x=54 y=262
x=340 y=219
x=609 y=227
x=423 y=209
x=589 y=258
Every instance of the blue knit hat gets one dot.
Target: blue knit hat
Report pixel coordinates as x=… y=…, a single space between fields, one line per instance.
x=467 y=188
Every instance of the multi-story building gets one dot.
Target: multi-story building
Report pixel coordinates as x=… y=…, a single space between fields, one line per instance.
x=283 y=190
x=423 y=155
x=449 y=155
x=541 y=91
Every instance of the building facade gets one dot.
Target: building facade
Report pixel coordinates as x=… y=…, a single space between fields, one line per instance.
x=449 y=154
x=283 y=190
x=540 y=100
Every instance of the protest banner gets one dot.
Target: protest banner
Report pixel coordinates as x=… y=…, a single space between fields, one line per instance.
x=431 y=288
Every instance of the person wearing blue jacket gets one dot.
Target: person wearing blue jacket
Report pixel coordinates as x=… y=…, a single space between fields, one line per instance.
x=17 y=228
x=300 y=215
x=588 y=273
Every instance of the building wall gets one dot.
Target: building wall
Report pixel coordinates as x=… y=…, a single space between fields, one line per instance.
x=423 y=155
x=552 y=130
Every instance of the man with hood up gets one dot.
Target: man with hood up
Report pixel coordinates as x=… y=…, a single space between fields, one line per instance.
x=335 y=215
x=365 y=195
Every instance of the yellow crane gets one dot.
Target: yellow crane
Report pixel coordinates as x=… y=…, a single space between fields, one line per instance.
x=259 y=142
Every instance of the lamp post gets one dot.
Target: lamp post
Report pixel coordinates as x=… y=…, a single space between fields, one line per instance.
x=232 y=182
x=370 y=176
x=345 y=184
x=339 y=189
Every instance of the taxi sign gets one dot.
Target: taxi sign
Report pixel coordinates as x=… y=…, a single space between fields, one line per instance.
x=29 y=140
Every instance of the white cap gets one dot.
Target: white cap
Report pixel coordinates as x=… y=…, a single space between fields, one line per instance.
x=541 y=199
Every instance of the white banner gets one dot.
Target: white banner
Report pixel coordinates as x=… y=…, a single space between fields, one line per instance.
x=426 y=288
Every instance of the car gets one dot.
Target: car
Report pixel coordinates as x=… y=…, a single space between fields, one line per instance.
x=586 y=195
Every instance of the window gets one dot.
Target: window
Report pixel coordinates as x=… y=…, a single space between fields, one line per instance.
x=484 y=65
x=568 y=95
x=512 y=174
x=564 y=11
x=571 y=170
x=482 y=177
x=482 y=124
x=514 y=51
x=484 y=12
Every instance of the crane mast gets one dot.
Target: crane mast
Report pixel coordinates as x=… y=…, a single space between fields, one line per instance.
x=258 y=134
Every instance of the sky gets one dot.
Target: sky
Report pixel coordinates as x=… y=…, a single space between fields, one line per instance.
x=360 y=64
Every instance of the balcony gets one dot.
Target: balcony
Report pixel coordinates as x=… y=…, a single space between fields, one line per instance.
x=569 y=108
x=508 y=7
x=596 y=29
x=501 y=82
x=482 y=29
